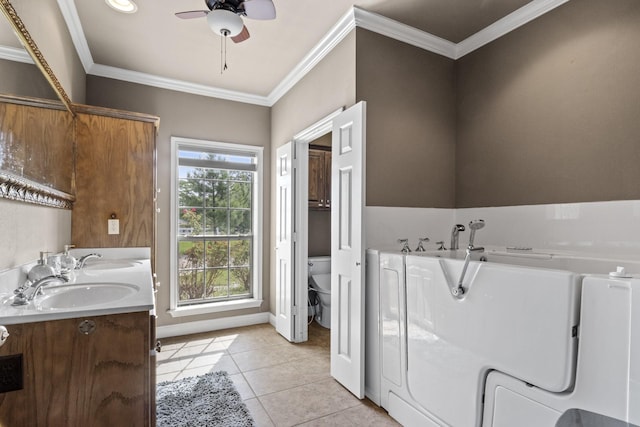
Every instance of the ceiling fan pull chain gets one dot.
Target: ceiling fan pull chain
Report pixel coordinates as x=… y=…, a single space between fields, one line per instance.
x=225 y=54
x=223 y=51
x=221 y=54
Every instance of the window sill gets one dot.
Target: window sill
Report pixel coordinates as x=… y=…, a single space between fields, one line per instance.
x=214 y=307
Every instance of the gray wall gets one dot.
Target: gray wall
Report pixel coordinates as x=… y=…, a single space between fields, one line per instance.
x=327 y=87
x=550 y=112
x=24 y=80
x=319 y=233
x=190 y=116
x=410 y=122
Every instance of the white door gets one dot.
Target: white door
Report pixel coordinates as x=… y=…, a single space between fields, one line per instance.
x=284 y=241
x=347 y=249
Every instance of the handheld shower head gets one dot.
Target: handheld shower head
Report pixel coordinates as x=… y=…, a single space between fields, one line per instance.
x=474 y=225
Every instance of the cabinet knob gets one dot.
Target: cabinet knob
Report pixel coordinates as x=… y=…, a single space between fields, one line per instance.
x=87 y=327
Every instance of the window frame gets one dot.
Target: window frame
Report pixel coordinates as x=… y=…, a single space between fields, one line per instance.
x=257 y=232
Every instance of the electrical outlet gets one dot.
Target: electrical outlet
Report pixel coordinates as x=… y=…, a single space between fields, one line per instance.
x=114 y=226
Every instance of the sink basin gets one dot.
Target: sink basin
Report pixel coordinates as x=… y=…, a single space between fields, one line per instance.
x=84 y=295
x=110 y=264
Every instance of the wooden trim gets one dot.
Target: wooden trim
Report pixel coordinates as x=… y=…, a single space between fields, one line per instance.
x=319 y=147
x=33 y=102
x=30 y=45
x=117 y=114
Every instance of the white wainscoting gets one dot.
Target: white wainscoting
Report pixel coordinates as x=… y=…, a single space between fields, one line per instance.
x=603 y=228
x=384 y=226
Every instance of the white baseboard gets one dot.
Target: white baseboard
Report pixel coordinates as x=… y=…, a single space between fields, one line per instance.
x=272 y=319
x=213 y=325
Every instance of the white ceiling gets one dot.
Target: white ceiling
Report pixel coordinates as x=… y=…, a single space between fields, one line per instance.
x=159 y=45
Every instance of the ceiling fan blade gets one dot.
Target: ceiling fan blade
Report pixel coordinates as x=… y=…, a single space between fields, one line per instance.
x=242 y=36
x=260 y=9
x=192 y=14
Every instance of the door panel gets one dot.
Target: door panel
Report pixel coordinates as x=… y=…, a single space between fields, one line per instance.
x=284 y=242
x=347 y=249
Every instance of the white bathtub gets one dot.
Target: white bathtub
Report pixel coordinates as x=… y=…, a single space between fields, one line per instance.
x=519 y=317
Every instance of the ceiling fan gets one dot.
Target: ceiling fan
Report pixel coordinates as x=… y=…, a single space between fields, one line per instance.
x=225 y=16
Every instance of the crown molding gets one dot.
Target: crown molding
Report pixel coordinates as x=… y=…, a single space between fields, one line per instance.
x=177 y=85
x=355 y=17
x=70 y=15
x=15 y=54
x=514 y=20
x=336 y=34
x=404 y=33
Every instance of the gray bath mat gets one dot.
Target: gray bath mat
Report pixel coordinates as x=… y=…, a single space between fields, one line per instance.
x=206 y=400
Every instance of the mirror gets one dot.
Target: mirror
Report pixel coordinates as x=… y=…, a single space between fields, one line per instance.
x=36 y=135
x=27 y=41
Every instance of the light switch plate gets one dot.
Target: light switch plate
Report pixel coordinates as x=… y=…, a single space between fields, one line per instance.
x=114 y=226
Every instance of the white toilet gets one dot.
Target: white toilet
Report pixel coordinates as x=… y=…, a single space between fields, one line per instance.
x=320 y=282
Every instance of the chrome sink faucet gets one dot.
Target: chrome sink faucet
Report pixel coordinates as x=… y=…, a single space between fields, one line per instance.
x=84 y=259
x=23 y=297
x=454 y=236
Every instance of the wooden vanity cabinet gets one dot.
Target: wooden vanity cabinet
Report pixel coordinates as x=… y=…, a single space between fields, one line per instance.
x=115 y=176
x=319 y=179
x=75 y=379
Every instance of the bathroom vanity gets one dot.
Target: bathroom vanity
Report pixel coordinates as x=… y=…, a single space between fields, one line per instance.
x=80 y=353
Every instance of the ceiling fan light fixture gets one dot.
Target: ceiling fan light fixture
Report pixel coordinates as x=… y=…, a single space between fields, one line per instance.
x=225 y=22
x=124 y=6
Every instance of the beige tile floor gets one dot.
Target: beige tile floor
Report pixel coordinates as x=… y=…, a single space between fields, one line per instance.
x=283 y=384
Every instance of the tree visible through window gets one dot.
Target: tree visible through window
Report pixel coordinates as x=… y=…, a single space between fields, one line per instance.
x=215 y=225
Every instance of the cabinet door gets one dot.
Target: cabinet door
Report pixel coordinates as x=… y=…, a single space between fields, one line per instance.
x=327 y=179
x=316 y=179
x=74 y=379
x=115 y=164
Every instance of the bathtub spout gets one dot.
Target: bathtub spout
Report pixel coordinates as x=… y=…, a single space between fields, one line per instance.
x=454 y=236
x=458 y=291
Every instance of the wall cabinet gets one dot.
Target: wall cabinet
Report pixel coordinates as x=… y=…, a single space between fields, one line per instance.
x=74 y=379
x=114 y=176
x=319 y=179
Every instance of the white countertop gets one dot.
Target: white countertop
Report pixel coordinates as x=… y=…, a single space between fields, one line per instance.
x=136 y=272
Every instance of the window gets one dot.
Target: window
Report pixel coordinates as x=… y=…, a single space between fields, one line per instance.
x=216 y=228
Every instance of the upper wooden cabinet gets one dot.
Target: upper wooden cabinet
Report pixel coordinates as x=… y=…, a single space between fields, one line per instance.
x=115 y=176
x=319 y=179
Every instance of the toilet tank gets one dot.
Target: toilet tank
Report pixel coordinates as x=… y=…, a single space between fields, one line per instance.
x=319 y=265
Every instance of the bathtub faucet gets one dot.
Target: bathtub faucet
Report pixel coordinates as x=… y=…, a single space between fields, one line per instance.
x=421 y=241
x=454 y=236
x=405 y=246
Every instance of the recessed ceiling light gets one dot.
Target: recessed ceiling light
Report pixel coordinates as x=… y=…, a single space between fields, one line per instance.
x=124 y=6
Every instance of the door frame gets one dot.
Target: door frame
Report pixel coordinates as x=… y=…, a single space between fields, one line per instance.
x=301 y=142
